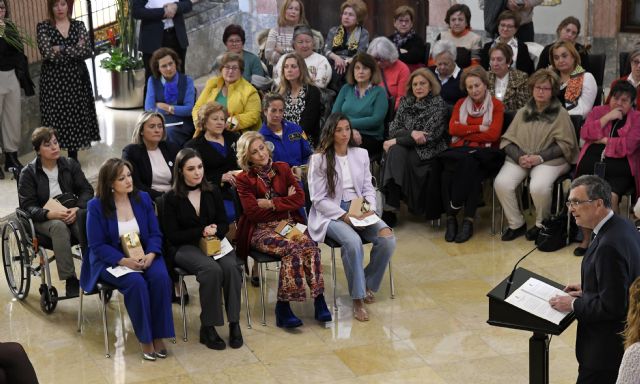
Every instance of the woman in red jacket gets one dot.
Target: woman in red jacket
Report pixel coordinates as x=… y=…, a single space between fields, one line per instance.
x=271 y=195
x=475 y=128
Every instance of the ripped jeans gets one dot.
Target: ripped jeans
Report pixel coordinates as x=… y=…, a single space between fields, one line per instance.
x=352 y=253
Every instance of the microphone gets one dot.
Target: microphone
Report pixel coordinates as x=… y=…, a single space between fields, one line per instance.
x=510 y=279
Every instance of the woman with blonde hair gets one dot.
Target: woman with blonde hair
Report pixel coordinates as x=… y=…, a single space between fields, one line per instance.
x=279 y=39
x=578 y=88
x=629 y=372
x=271 y=197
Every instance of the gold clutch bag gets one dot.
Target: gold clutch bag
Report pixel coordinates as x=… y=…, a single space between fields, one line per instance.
x=131 y=245
x=210 y=245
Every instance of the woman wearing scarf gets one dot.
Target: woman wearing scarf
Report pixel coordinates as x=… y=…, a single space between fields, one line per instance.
x=410 y=45
x=271 y=195
x=458 y=18
x=475 y=126
x=172 y=94
x=346 y=40
x=578 y=88
x=541 y=144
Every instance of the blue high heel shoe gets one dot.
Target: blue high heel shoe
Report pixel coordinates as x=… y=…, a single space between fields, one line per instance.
x=285 y=317
x=322 y=313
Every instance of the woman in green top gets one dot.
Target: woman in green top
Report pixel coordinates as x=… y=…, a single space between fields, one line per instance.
x=364 y=103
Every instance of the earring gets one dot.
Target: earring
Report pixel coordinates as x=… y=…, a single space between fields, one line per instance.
x=112 y=190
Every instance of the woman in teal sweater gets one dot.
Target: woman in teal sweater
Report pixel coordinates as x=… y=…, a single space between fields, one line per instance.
x=364 y=103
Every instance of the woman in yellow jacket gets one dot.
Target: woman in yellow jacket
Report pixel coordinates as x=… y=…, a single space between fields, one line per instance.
x=239 y=98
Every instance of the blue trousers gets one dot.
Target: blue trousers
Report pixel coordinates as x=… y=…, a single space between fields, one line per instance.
x=352 y=253
x=147 y=297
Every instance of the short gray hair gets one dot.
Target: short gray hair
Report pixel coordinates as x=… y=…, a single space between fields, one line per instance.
x=597 y=188
x=383 y=48
x=444 y=46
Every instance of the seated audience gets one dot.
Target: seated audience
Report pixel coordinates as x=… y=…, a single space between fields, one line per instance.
x=302 y=100
x=172 y=94
x=417 y=134
x=394 y=72
x=632 y=78
x=447 y=71
x=280 y=39
x=364 y=103
x=51 y=176
x=346 y=40
x=151 y=155
x=507 y=84
x=119 y=209
x=458 y=18
x=568 y=30
x=611 y=137
x=410 y=46
x=578 y=88
x=508 y=24
x=540 y=144
x=629 y=372
x=234 y=38
x=339 y=174
x=238 y=97
x=475 y=127
x=288 y=139
x=317 y=65
x=193 y=210
x=271 y=196
x=217 y=149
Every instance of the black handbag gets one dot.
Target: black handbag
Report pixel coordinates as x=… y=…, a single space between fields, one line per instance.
x=68 y=199
x=553 y=235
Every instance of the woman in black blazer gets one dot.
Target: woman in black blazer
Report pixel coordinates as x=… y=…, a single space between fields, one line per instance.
x=151 y=155
x=303 y=102
x=193 y=209
x=217 y=147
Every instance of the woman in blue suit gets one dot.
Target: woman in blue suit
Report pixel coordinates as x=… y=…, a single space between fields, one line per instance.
x=116 y=210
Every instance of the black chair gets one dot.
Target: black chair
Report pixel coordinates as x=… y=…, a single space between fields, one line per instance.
x=597 y=63
x=463 y=57
x=623 y=64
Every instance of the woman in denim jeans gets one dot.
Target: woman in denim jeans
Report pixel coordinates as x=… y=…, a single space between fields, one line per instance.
x=338 y=174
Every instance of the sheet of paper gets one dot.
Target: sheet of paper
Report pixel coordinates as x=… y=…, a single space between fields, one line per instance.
x=120 y=270
x=533 y=296
x=225 y=248
x=157 y=3
x=174 y=124
x=301 y=227
x=367 y=221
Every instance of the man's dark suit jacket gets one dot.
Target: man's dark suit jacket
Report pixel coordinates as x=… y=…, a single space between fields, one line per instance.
x=610 y=265
x=152 y=27
x=142 y=173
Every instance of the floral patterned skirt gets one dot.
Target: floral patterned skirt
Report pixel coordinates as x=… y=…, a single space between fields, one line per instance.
x=299 y=258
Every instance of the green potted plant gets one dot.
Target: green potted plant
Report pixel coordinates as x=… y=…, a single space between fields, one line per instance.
x=124 y=62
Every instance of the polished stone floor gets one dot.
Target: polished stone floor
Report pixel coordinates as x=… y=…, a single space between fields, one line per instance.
x=434 y=331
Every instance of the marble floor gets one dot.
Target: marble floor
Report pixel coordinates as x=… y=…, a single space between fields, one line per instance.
x=434 y=331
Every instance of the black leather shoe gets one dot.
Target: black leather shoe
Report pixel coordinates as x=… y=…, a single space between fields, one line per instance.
x=235 y=336
x=511 y=234
x=11 y=161
x=532 y=233
x=390 y=218
x=72 y=287
x=452 y=229
x=176 y=299
x=466 y=232
x=579 y=251
x=210 y=338
x=1 y=174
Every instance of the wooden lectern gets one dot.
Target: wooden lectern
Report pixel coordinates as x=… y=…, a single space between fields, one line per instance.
x=503 y=314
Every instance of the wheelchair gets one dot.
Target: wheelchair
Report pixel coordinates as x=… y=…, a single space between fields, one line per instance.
x=25 y=254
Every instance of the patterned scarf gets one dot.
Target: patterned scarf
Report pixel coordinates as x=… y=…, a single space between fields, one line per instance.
x=574 y=87
x=171 y=90
x=486 y=110
x=399 y=40
x=266 y=174
x=354 y=39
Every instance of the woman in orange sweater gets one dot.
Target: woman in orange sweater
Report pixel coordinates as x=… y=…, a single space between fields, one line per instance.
x=475 y=128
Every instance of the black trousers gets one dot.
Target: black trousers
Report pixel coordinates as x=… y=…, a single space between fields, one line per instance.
x=592 y=376
x=15 y=367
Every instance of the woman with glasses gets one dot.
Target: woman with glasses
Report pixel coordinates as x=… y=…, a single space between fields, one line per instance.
x=633 y=77
x=234 y=38
x=410 y=46
x=238 y=97
x=395 y=73
x=578 y=88
x=508 y=24
x=611 y=137
x=540 y=144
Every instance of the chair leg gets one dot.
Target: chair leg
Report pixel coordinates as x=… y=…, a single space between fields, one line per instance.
x=80 y=315
x=105 y=330
x=262 y=293
x=392 y=285
x=333 y=278
x=182 y=310
x=493 y=210
x=246 y=298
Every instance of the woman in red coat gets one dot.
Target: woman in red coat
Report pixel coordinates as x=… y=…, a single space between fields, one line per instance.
x=271 y=195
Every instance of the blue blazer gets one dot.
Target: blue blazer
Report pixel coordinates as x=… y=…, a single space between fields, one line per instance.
x=104 y=242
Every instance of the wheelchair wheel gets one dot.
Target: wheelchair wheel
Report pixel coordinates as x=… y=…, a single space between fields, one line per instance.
x=16 y=259
x=48 y=299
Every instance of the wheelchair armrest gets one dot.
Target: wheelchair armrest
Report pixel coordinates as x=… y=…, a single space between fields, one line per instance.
x=25 y=220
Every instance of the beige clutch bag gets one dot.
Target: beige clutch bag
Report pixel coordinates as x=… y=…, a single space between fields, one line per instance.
x=131 y=245
x=210 y=245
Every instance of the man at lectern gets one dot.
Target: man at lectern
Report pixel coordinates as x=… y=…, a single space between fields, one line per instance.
x=610 y=265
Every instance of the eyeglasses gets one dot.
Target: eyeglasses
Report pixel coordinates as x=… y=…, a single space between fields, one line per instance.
x=635 y=62
x=234 y=41
x=576 y=203
x=542 y=89
x=231 y=68
x=507 y=26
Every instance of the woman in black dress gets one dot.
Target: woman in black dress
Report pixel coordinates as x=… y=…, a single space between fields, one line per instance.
x=66 y=97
